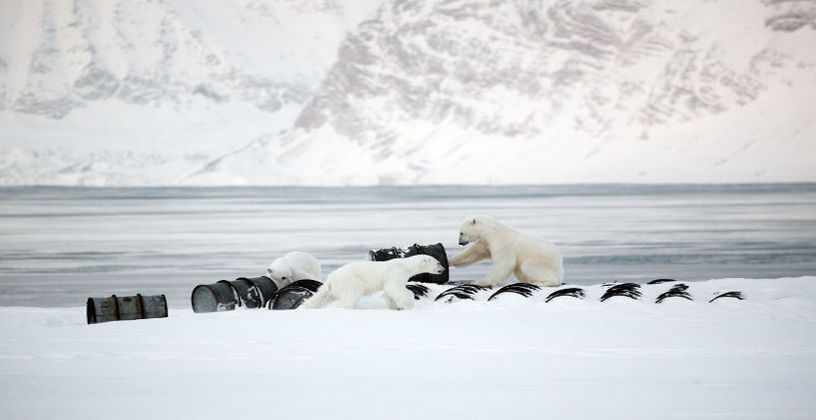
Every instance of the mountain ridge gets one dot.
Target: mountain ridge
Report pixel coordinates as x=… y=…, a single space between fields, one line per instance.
x=426 y=92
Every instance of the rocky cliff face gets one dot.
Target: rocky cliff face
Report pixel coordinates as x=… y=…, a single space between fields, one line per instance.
x=58 y=56
x=474 y=90
x=151 y=86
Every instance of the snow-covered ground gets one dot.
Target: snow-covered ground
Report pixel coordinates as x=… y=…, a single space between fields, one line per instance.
x=508 y=358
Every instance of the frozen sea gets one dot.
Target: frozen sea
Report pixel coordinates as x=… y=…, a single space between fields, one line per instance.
x=59 y=246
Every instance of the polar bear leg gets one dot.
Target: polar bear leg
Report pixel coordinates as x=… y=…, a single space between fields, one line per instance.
x=501 y=270
x=319 y=299
x=349 y=301
x=399 y=296
x=534 y=272
x=475 y=253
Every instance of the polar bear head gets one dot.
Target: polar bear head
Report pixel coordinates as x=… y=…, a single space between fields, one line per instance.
x=426 y=264
x=473 y=228
x=280 y=273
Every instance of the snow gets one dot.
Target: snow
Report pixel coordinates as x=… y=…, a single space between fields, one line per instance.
x=511 y=357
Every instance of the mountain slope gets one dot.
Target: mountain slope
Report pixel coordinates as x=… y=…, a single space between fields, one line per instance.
x=480 y=91
x=111 y=92
x=569 y=91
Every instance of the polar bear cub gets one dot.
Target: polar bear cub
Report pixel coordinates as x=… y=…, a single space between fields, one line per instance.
x=293 y=266
x=352 y=281
x=530 y=259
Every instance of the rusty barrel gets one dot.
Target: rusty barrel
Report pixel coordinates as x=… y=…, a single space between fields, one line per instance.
x=119 y=308
x=435 y=250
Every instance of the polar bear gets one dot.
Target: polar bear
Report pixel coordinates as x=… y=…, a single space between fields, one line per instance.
x=293 y=266
x=352 y=281
x=530 y=259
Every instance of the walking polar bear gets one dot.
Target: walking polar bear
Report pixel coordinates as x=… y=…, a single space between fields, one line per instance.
x=530 y=259
x=292 y=267
x=352 y=281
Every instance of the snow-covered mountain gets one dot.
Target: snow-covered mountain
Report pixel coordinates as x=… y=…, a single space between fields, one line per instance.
x=414 y=91
x=144 y=92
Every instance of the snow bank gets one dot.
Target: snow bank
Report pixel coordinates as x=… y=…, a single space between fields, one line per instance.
x=511 y=357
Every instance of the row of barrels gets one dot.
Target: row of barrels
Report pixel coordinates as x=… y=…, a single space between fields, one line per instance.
x=627 y=290
x=247 y=292
x=250 y=293
x=262 y=292
x=121 y=308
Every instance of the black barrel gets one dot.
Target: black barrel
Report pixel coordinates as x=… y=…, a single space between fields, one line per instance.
x=460 y=292
x=116 y=308
x=265 y=286
x=293 y=295
x=436 y=250
x=216 y=297
x=249 y=292
x=312 y=285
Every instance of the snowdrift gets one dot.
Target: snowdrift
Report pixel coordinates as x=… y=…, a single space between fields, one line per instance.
x=513 y=357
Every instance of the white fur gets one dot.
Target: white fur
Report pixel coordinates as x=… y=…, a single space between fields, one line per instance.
x=352 y=281
x=530 y=259
x=294 y=266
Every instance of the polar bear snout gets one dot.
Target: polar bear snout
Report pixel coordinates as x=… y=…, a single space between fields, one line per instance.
x=430 y=265
x=439 y=268
x=463 y=239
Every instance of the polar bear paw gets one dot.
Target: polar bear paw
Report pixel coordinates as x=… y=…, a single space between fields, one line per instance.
x=487 y=283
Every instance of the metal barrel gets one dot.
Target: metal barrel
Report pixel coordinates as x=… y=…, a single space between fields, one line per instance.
x=249 y=292
x=293 y=295
x=312 y=285
x=435 y=250
x=116 y=308
x=216 y=297
x=265 y=286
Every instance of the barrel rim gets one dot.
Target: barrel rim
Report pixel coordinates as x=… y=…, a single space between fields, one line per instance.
x=305 y=283
x=90 y=310
x=116 y=307
x=141 y=306
x=192 y=295
x=164 y=305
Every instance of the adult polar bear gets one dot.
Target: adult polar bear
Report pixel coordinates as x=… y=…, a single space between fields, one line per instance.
x=530 y=259
x=352 y=281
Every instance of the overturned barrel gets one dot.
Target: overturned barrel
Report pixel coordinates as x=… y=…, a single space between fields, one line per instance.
x=116 y=308
x=293 y=295
x=249 y=292
x=435 y=250
x=461 y=292
x=265 y=287
x=216 y=297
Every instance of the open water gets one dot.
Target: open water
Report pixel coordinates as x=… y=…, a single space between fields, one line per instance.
x=59 y=246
